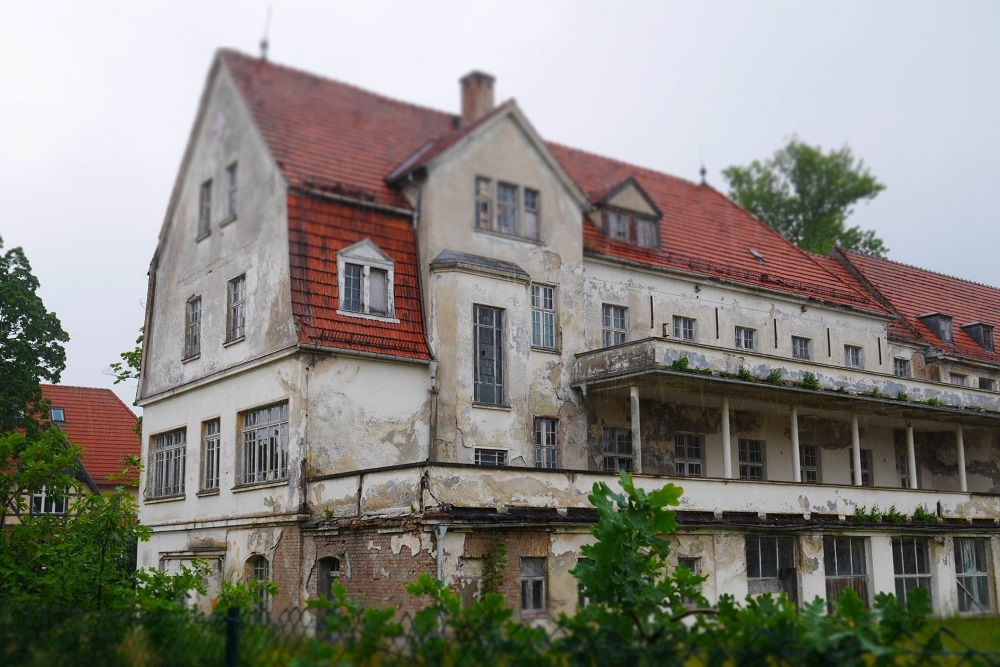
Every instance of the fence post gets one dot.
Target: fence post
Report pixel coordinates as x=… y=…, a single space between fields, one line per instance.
x=232 y=637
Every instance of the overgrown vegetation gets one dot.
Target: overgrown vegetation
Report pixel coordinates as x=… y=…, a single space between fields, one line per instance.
x=810 y=381
x=494 y=564
x=774 y=377
x=680 y=364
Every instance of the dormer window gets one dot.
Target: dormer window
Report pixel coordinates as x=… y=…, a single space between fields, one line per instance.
x=939 y=324
x=981 y=333
x=365 y=280
x=632 y=228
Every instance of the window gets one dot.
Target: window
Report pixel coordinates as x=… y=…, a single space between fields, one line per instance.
x=683 y=328
x=57 y=414
x=987 y=384
x=484 y=204
x=645 y=233
x=531 y=198
x=911 y=563
x=903 y=468
x=866 y=466
x=751 y=459
x=507 y=208
x=210 y=455
x=801 y=348
x=746 y=339
x=618 y=225
x=258 y=575
x=694 y=567
x=846 y=560
x=771 y=565
x=532 y=585
x=809 y=463
x=45 y=501
x=265 y=445
x=617 y=450
x=512 y=215
x=236 y=320
x=853 y=356
x=488 y=323
x=546 y=437
x=491 y=457
x=689 y=455
x=972 y=571
x=365 y=279
x=959 y=380
x=205 y=209
x=582 y=600
x=231 y=192
x=632 y=228
x=192 y=330
x=614 y=325
x=167 y=472
x=543 y=316
x=901 y=367
x=981 y=333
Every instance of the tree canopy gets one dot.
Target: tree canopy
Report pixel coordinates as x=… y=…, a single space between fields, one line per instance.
x=31 y=343
x=807 y=195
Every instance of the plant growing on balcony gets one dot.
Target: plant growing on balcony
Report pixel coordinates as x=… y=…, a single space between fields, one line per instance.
x=931 y=401
x=921 y=515
x=873 y=515
x=902 y=395
x=745 y=374
x=728 y=375
x=893 y=515
x=876 y=393
x=680 y=364
x=810 y=381
x=774 y=377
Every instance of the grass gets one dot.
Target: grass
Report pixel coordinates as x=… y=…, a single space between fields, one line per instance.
x=981 y=633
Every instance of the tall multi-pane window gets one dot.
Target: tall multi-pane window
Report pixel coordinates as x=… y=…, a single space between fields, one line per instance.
x=846 y=561
x=507 y=208
x=258 y=574
x=901 y=367
x=618 y=224
x=265 y=444
x=546 y=439
x=973 y=574
x=353 y=288
x=614 y=325
x=210 y=455
x=236 y=316
x=866 y=466
x=911 y=564
x=44 y=501
x=618 y=450
x=543 y=316
x=192 y=330
x=801 y=347
x=771 y=565
x=683 y=328
x=809 y=463
x=646 y=233
x=532 y=585
x=853 y=356
x=746 y=338
x=167 y=472
x=484 y=204
x=531 y=200
x=689 y=455
x=231 y=192
x=205 y=209
x=488 y=348
x=751 y=459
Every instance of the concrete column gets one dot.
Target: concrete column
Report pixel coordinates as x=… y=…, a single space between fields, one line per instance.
x=636 y=430
x=727 y=444
x=856 y=449
x=911 y=457
x=963 y=482
x=796 y=459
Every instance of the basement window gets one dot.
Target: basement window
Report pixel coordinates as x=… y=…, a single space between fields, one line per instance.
x=365 y=278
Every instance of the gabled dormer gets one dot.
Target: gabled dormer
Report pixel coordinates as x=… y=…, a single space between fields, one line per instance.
x=981 y=333
x=627 y=214
x=366 y=276
x=939 y=324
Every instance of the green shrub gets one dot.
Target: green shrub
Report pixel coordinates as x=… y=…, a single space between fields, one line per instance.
x=745 y=374
x=680 y=364
x=810 y=381
x=774 y=377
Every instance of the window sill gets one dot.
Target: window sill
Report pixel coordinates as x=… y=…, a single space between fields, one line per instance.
x=208 y=492
x=240 y=488
x=513 y=237
x=491 y=406
x=164 y=499
x=547 y=350
x=234 y=341
x=366 y=316
x=228 y=220
x=193 y=357
x=202 y=237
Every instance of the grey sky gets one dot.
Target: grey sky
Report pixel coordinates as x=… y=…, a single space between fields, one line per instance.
x=97 y=100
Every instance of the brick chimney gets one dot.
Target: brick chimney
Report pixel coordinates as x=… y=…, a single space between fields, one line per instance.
x=477 y=96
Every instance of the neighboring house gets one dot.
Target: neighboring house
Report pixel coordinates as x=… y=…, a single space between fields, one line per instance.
x=380 y=337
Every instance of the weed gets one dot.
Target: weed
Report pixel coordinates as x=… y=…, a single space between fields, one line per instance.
x=744 y=374
x=680 y=364
x=810 y=381
x=902 y=396
x=774 y=377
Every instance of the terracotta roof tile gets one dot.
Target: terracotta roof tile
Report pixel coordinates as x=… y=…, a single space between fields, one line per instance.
x=97 y=421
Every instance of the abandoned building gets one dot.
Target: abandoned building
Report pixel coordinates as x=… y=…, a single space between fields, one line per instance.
x=382 y=338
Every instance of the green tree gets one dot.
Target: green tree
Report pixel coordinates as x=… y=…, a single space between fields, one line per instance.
x=807 y=195
x=31 y=339
x=128 y=368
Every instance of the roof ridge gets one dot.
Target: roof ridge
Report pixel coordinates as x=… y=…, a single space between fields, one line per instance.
x=919 y=268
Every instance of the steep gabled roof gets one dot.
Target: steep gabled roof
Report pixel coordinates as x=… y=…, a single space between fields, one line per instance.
x=912 y=292
x=97 y=421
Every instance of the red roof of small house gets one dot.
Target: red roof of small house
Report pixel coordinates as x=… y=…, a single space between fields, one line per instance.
x=98 y=421
x=912 y=292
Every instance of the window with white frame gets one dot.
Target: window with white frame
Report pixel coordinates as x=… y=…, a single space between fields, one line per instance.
x=236 y=312
x=210 y=452
x=972 y=574
x=264 y=451
x=617 y=450
x=490 y=457
x=507 y=208
x=546 y=442
x=853 y=356
x=746 y=338
x=488 y=349
x=866 y=466
x=901 y=367
x=205 y=209
x=771 y=565
x=167 y=471
x=689 y=455
x=192 y=329
x=801 y=348
x=911 y=565
x=44 y=501
x=231 y=192
x=751 y=459
x=57 y=414
x=614 y=325
x=846 y=561
x=809 y=463
x=683 y=328
x=543 y=316
x=365 y=278
x=532 y=585
x=633 y=228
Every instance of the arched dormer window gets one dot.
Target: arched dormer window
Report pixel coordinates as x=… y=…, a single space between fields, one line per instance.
x=365 y=279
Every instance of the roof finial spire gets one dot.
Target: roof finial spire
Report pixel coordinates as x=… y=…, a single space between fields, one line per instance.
x=702 y=171
x=263 y=42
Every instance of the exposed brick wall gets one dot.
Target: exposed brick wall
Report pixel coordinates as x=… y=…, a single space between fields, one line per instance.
x=286 y=569
x=520 y=544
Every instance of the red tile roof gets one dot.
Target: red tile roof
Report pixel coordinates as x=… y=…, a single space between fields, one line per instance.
x=913 y=291
x=97 y=421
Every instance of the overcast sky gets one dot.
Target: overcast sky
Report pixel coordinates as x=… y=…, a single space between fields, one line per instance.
x=97 y=100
